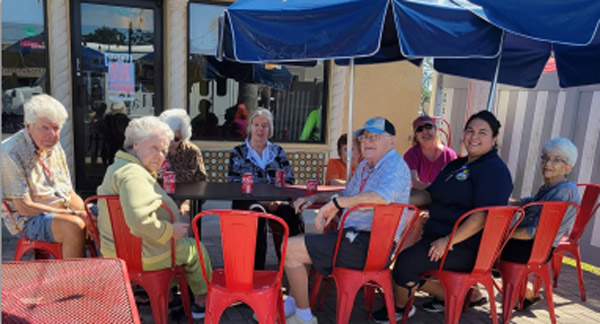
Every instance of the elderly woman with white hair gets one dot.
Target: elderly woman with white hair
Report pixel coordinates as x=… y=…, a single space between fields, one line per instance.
x=36 y=182
x=133 y=177
x=558 y=158
x=262 y=158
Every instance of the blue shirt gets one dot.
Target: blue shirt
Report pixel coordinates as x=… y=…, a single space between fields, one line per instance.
x=564 y=191
x=463 y=186
x=389 y=178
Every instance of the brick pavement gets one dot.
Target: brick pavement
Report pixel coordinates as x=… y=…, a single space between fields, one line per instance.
x=568 y=305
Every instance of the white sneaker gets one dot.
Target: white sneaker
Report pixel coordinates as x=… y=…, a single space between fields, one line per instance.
x=294 y=319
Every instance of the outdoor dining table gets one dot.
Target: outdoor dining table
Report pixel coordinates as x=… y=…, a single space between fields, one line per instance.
x=91 y=290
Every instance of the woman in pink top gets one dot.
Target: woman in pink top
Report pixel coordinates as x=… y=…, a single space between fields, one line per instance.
x=428 y=156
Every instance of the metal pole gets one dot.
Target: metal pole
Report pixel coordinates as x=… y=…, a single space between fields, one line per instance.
x=350 y=119
x=495 y=79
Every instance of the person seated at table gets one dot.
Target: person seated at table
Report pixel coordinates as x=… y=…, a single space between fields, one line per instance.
x=262 y=159
x=336 y=168
x=428 y=156
x=133 y=177
x=185 y=157
x=381 y=178
x=477 y=180
x=36 y=181
x=557 y=160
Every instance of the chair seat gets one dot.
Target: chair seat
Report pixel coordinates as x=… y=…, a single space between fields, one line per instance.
x=263 y=279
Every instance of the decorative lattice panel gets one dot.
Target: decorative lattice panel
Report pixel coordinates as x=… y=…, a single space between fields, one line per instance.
x=305 y=165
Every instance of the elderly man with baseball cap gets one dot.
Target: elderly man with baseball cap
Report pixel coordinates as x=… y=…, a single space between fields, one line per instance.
x=381 y=178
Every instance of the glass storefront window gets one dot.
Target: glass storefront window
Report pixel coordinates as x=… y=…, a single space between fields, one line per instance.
x=24 y=58
x=221 y=93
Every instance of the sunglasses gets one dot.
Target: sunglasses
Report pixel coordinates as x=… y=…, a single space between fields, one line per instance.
x=422 y=127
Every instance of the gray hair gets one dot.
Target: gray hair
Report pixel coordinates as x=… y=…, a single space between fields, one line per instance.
x=562 y=146
x=260 y=112
x=139 y=129
x=178 y=120
x=44 y=105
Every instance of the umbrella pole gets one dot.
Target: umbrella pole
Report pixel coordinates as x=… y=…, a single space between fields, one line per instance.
x=495 y=79
x=350 y=119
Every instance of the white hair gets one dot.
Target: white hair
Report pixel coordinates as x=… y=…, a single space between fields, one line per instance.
x=562 y=146
x=260 y=112
x=178 y=120
x=44 y=105
x=139 y=129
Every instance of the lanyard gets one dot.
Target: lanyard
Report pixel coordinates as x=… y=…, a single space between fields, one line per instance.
x=46 y=170
x=363 y=182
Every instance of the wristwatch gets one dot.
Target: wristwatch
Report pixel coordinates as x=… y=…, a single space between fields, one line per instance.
x=335 y=202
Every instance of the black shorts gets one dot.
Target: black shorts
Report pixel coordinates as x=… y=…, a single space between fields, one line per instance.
x=519 y=251
x=351 y=255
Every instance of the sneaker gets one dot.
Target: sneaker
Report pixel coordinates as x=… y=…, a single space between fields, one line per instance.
x=381 y=316
x=434 y=306
x=198 y=311
x=294 y=319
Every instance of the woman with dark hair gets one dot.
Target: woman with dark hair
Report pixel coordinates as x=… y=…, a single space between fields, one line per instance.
x=336 y=168
x=428 y=156
x=479 y=179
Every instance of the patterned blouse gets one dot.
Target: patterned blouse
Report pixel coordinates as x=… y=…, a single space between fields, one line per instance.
x=43 y=178
x=187 y=163
x=240 y=163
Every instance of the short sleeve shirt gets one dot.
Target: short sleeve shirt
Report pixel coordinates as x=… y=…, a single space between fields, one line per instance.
x=389 y=178
x=43 y=178
x=463 y=186
x=428 y=170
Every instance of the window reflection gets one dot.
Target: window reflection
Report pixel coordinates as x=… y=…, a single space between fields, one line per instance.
x=217 y=90
x=24 y=58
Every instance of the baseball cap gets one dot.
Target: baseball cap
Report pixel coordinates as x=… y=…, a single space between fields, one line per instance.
x=377 y=125
x=422 y=120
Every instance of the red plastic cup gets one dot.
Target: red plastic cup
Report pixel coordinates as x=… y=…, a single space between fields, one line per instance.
x=311 y=187
x=279 y=178
x=247 y=183
x=169 y=181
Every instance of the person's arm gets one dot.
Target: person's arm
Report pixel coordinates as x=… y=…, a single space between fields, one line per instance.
x=302 y=203
x=330 y=210
x=420 y=198
x=473 y=224
x=311 y=121
x=198 y=162
x=236 y=161
x=26 y=206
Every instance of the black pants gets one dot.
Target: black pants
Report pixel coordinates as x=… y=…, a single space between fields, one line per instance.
x=519 y=251
x=414 y=260
x=286 y=212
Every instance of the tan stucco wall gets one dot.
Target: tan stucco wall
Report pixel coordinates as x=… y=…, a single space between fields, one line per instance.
x=391 y=90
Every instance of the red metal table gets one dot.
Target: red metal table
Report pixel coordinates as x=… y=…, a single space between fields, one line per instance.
x=94 y=290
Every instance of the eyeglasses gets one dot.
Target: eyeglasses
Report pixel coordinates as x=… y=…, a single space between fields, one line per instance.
x=546 y=159
x=372 y=137
x=422 y=127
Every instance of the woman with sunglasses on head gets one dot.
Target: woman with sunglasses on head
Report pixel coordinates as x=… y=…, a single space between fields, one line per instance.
x=557 y=160
x=185 y=157
x=479 y=179
x=428 y=156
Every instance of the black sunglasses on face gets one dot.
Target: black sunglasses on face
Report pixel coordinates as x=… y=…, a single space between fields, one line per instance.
x=422 y=127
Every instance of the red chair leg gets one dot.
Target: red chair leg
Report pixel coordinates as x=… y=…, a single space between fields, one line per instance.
x=407 y=309
x=324 y=293
x=489 y=286
x=159 y=302
x=369 y=295
x=511 y=282
x=185 y=298
x=556 y=263
x=314 y=295
x=545 y=275
x=577 y=255
x=345 y=299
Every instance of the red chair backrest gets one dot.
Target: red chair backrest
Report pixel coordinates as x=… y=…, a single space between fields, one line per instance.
x=127 y=245
x=9 y=211
x=386 y=219
x=238 y=239
x=551 y=216
x=587 y=209
x=500 y=223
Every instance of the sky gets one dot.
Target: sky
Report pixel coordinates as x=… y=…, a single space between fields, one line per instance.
x=204 y=28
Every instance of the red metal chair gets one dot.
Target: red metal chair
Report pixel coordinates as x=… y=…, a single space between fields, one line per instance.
x=41 y=249
x=129 y=248
x=237 y=281
x=376 y=271
x=500 y=222
x=443 y=127
x=514 y=275
x=570 y=243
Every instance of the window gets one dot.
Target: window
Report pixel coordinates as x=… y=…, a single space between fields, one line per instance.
x=217 y=90
x=24 y=58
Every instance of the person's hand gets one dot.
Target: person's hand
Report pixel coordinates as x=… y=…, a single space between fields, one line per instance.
x=89 y=233
x=302 y=203
x=179 y=230
x=184 y=209
x=436 y=251
x=325 y=215
x=272 y=206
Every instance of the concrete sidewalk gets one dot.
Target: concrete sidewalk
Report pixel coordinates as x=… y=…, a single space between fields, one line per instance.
x=568 y=305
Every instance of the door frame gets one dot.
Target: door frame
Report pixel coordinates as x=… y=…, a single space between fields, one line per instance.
x=83 y=183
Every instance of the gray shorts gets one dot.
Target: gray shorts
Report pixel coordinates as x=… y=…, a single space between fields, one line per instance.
x=351 y=255
x=39 y=228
